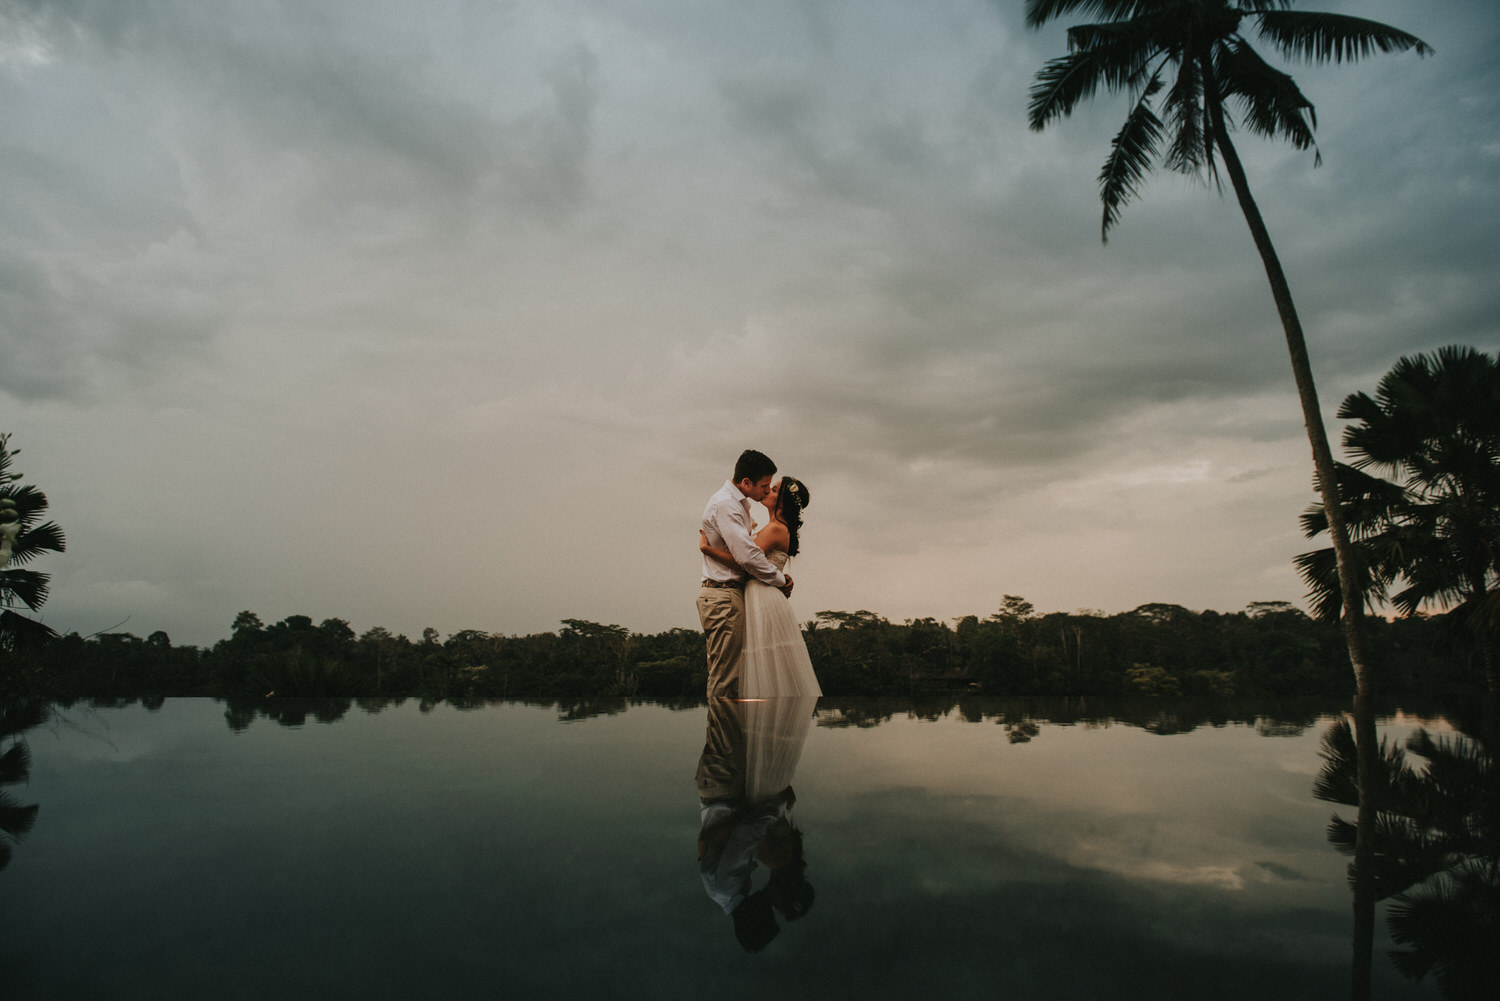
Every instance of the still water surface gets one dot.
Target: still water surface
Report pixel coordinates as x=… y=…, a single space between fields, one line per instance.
x=534 y=851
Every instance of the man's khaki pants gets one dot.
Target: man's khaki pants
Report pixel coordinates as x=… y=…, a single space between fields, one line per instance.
x=721 y=612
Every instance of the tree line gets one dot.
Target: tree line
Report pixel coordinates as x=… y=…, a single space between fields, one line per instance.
x=1270 y=649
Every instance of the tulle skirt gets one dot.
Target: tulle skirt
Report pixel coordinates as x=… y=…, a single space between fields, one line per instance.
x=775 y=662
x=775 y=731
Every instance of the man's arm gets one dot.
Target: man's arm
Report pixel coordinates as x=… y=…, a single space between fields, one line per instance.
x=734 y=525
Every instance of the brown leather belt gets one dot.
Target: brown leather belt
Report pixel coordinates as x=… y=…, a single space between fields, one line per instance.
x=736 y=584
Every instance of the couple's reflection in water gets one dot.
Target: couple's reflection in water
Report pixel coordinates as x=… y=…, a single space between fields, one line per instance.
x=1425 y=839
x=750 y=852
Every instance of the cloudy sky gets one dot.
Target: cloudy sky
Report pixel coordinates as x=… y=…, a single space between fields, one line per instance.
x=453 y=313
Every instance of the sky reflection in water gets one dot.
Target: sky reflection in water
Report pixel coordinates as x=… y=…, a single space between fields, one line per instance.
x=447 y=852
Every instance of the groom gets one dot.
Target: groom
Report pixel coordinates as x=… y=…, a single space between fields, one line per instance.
x=721 y=599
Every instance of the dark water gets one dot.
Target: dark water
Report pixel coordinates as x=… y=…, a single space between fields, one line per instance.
x=511 y=851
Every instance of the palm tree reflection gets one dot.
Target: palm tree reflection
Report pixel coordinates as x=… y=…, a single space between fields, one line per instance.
x=745 y=801
x=1426 y=838
x=16 y=717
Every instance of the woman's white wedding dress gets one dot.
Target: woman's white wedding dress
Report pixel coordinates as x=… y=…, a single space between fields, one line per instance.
x=775 y=661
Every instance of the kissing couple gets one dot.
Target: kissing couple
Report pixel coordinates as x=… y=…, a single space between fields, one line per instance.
x=755 y=647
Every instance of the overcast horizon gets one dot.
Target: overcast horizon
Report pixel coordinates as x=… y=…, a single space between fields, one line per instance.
x=454 y=314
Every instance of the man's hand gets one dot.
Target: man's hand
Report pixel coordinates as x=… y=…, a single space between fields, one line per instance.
x=787 y=589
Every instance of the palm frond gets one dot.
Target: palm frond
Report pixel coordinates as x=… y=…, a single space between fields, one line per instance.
x=15 y=763
x=1039 y=12
x=1459 y=769
x=1125 y=51
x=19 y=634
x=1358 y=407
x=1389 y=538
x=46 y=538
x=1428 y=585
x=16 y=820
x=1314 y=520
x=1484 y=614
x=1273 y=106
x=1191 y=148
x=1371 y=505
x=1341 y=834
x=1477 y=618
x=20 y=715
x=1373 y=427
x=1319 y=570
x=28 y=585
x=1062 y=83
x=6 y=453
x=30 y=502
x=1338 y=779
x=1432 y=416
x=1447 y=927
x=1130 y=156
x=1404 y=856
x=1409 y=386
x=1319 y=37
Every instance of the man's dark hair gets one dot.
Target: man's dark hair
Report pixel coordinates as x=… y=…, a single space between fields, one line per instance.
x=753 y=466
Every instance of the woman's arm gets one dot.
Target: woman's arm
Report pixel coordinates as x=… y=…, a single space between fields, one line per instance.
x=722 y=555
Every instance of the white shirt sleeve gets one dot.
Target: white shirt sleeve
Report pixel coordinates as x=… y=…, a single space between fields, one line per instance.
x=727 y=518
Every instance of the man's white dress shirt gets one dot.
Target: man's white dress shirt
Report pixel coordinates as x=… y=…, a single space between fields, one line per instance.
x=726 y=522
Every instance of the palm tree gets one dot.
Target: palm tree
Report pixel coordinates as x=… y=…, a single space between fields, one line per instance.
x=1194 y=51
x=1433 y=537
x=21 y=540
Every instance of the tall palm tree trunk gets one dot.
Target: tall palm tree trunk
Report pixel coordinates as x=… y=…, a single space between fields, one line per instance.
x=1307 y=392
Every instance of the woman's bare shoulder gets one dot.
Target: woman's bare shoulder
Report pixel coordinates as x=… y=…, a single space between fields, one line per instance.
x=773 y=536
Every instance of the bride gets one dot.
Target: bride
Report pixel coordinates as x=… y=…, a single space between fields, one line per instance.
x=775 y=661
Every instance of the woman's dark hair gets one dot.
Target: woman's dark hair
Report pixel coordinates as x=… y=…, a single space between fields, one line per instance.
x=790 y=501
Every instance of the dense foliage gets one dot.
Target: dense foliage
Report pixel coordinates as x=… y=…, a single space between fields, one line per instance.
x=1270 y=649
